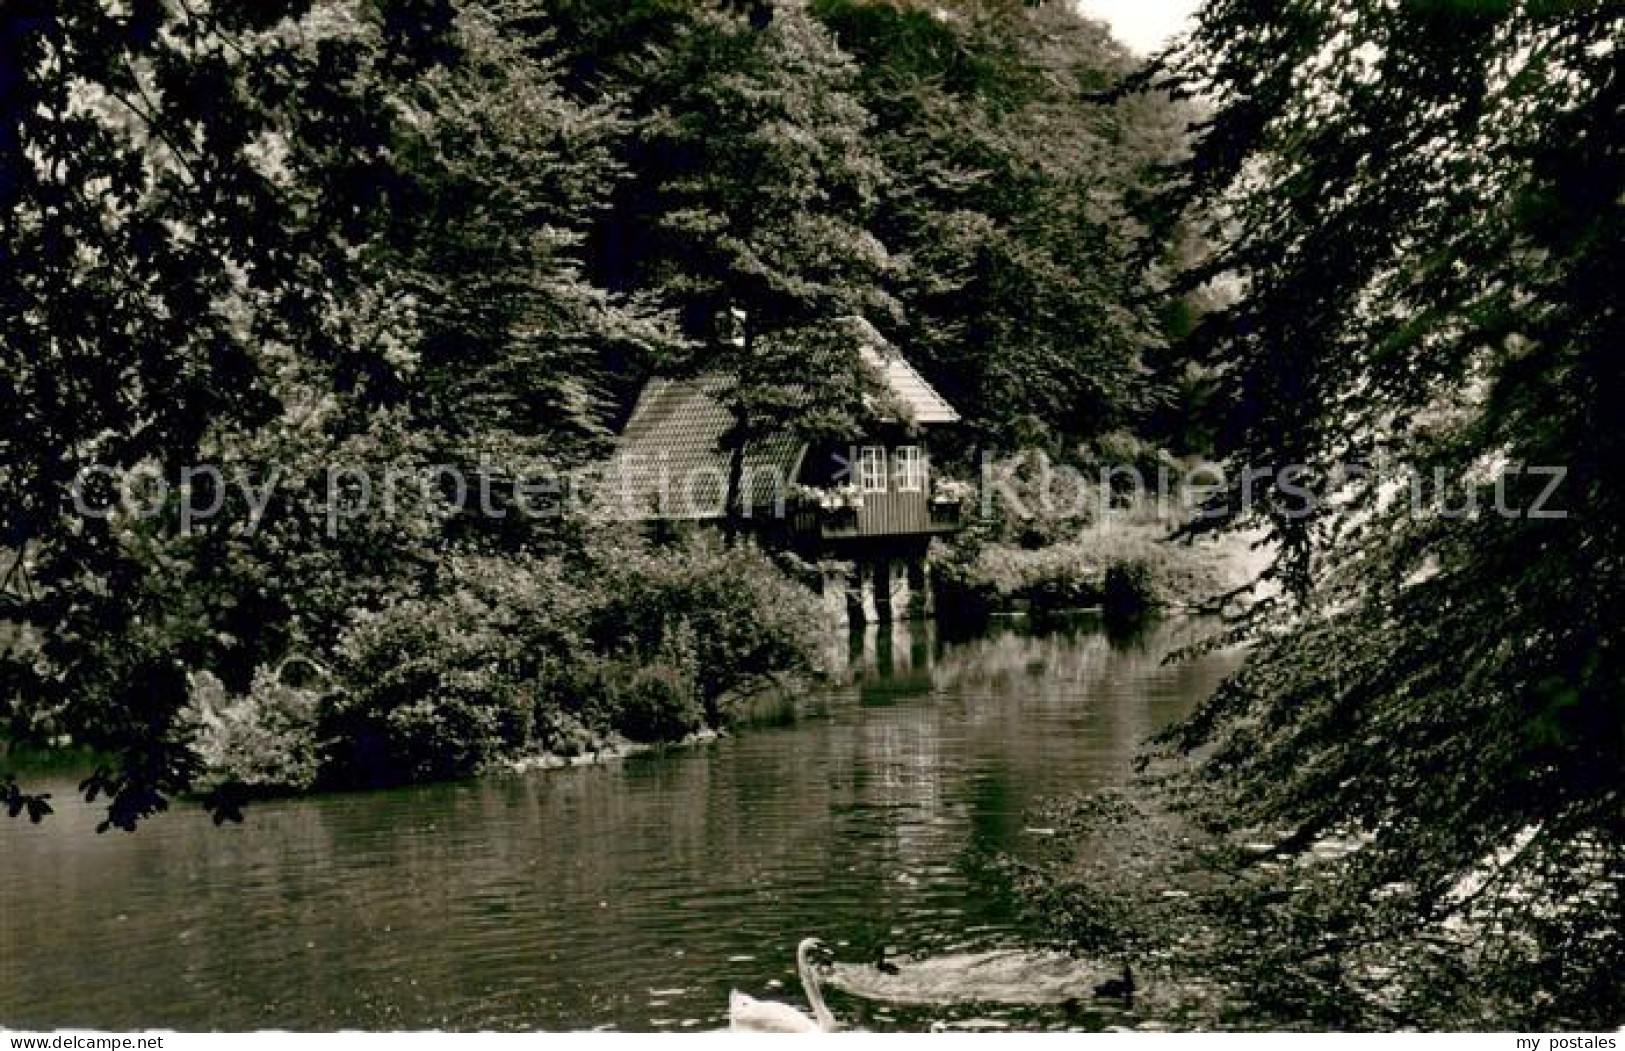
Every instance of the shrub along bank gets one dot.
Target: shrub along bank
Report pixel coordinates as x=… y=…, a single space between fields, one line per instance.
x=511 y=657
x=1125 y=568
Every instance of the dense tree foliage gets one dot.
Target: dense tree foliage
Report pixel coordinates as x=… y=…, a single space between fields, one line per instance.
x=314 y=244
x=1013 y=199
x=171 y=287
x=748 y=210
x=974 y=189
x=305 y=246
x=307 y=242
x=1420 y=204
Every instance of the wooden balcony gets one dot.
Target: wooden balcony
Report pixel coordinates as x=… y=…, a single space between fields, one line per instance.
x=882 y=515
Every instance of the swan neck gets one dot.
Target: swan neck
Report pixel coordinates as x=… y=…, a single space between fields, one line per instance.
x=809 y=984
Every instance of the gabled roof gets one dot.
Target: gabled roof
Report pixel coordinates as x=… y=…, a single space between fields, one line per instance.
x=671 y=463
x=907 y=385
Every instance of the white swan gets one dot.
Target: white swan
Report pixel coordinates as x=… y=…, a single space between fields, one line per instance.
x=746 y=1014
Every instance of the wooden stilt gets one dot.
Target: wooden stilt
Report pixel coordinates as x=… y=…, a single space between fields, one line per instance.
x=834 y=584
x=900 y=589
x=868 y=607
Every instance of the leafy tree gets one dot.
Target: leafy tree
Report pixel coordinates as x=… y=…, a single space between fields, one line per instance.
x=968 y=138
x=1012 y=200
x=752 y=185
x=131 y=188
x=502 y=174
x=1421 y=206
x=246 y=238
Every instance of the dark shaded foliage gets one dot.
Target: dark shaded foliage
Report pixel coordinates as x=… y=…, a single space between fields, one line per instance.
x=1421 y=207
x=1013 y=199
x=291 y=238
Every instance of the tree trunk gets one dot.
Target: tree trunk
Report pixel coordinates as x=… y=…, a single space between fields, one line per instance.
x=733 y=505
x=739 y=436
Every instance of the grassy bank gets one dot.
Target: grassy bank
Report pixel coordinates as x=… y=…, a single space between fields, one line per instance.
x=1126 y=567
x=1236 y=927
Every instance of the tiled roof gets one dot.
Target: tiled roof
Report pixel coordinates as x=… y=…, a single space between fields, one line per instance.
x=906 y=383
x=671 y=463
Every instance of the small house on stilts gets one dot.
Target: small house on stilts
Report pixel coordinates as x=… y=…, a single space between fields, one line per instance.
x=865 y=509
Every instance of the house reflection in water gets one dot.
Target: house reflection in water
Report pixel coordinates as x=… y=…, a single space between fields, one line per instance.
x=899 y=654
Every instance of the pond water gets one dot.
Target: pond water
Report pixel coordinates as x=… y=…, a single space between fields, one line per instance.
x=632 y=895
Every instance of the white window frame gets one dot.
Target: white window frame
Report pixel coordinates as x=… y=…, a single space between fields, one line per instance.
x=909 y=461
x=872 y=469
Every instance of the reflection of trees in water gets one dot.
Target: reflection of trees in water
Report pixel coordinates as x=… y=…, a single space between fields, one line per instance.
x=562 y=899
x=991 y=725
x=1121 y=685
